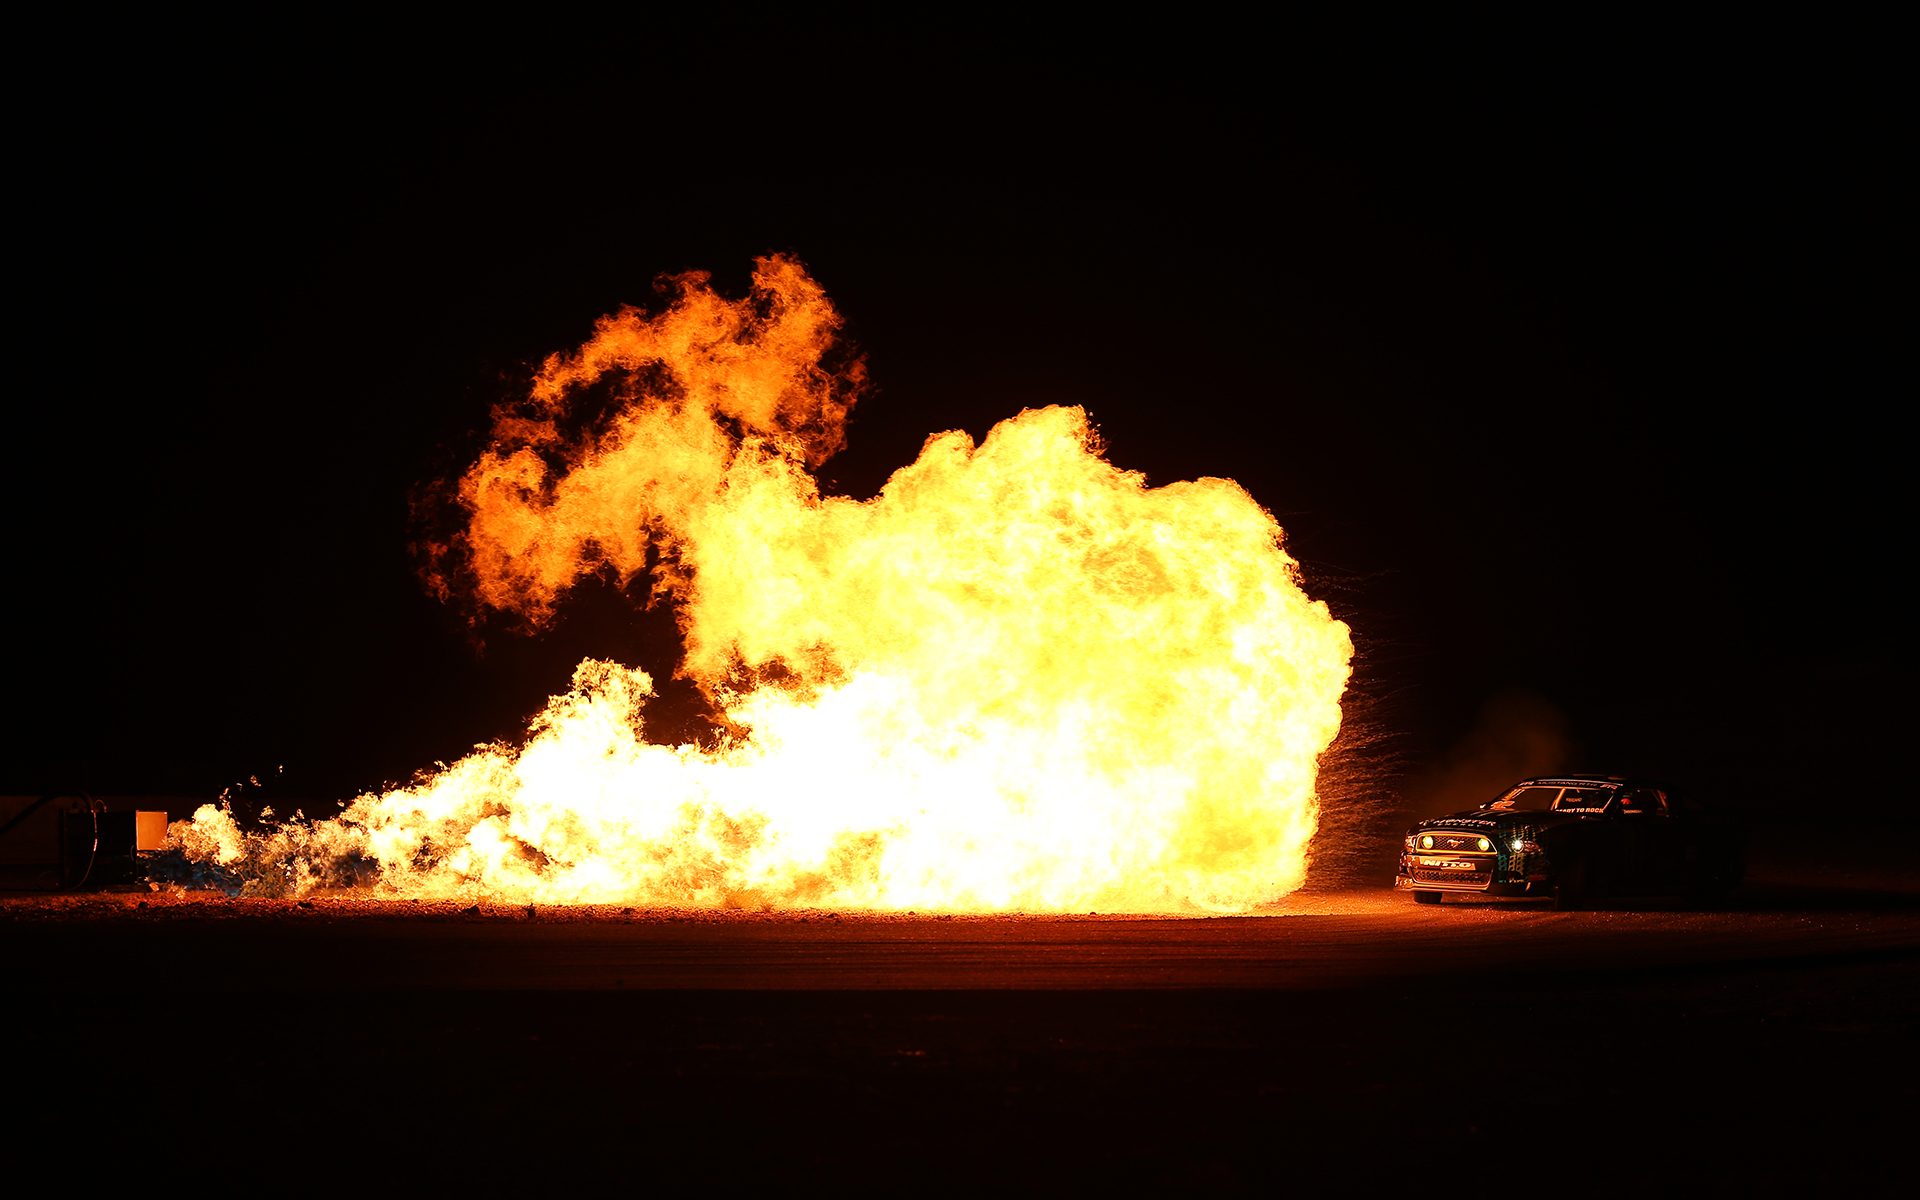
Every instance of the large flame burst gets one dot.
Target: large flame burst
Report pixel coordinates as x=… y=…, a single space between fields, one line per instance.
x=1018 y=678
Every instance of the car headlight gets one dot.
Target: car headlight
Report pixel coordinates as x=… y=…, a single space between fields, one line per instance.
x=1523 y=846
x=1426 y=843
x=1484 y=844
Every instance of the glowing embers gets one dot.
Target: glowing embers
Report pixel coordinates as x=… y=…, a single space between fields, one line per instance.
x=1018 y=678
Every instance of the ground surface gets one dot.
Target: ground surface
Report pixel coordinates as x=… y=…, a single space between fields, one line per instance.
x=1765 y=1046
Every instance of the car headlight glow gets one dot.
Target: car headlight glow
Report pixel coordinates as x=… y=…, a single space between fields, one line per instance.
x=1484 y=844
x=1426 y=843
x=1522 y=844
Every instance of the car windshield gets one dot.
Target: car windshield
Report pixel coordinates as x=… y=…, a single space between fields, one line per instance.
x=1538 y=797
x=1587 y=799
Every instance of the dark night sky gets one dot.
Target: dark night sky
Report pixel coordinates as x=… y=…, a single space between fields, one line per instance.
x=1567 y=384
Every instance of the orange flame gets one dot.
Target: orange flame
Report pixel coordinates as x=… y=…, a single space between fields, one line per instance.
x=1018 y=678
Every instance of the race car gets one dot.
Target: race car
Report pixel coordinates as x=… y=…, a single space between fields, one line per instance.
x=1576 y=839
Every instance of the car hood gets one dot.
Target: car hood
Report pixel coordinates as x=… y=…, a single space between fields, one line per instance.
x=1481 y=821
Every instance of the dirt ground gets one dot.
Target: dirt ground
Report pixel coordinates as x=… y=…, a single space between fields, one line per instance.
x=1765 y=1046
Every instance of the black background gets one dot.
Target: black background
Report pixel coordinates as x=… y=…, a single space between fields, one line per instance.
x=1566 y=371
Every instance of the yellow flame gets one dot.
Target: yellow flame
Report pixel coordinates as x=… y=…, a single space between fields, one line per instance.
x=1018 y=678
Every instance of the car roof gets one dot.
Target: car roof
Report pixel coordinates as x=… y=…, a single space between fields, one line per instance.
x=1575 y=781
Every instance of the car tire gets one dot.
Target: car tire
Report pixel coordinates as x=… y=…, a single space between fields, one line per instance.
x=1717 y=885
x=1574 y=890
x=1426 y=897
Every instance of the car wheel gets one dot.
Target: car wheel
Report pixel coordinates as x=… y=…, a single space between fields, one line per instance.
x=1574 y=891
x=1426 y=897
x=1716 y=885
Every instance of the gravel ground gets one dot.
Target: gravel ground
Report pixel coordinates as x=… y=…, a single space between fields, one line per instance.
x=1764 y=1047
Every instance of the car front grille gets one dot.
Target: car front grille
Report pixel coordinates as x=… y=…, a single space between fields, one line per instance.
x=1455 y=843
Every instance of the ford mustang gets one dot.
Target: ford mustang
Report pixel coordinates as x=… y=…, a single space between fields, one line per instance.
x=1576 y=839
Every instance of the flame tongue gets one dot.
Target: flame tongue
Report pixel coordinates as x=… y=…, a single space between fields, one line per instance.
x=1017 y=678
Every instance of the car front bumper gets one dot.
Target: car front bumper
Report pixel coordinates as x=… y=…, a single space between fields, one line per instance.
x=1408 y=883
x=1488 y=874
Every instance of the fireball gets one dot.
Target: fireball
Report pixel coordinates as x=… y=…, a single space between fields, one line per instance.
x=1018 y=678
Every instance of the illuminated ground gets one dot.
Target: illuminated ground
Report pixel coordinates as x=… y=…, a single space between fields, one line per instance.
x=1349 y=938
x=1766 y=1046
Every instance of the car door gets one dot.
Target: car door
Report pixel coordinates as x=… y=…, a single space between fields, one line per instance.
x=1650 y=842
